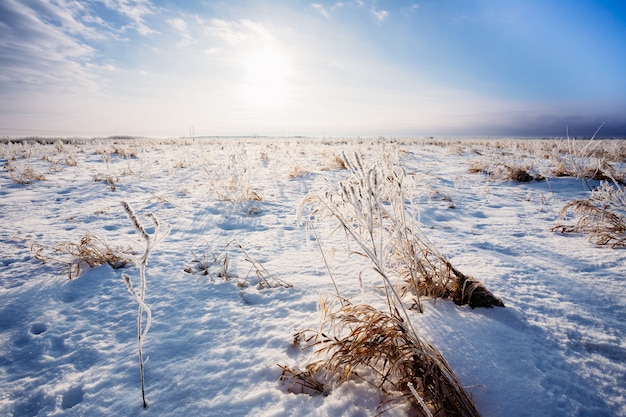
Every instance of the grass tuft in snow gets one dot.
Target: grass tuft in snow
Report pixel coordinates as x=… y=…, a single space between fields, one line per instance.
x=219 y=265
x=23 y=174
x=381 y=348
x=602 y=216
x=90 y=251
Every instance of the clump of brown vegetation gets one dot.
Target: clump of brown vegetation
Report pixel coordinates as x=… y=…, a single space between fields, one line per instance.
x=109 y=180
x=381 y=348
x=24 y=174
x=89 y=252
x=602 y=216
x=504 y=172
x=233 y=182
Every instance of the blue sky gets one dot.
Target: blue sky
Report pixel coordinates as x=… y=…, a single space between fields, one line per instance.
x=355 y=67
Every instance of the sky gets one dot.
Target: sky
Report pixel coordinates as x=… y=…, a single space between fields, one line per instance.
x=312 y=68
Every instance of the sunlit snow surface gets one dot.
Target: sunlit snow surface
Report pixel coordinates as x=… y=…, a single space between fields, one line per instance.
x=69 y=347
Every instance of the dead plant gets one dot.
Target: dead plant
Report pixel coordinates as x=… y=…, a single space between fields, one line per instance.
x=90 y=251
x=303 y=381
x=371 y=207
x=218 y=265
x=502 y=171
x=24 y=174
x=602 y=216
x=382 y=349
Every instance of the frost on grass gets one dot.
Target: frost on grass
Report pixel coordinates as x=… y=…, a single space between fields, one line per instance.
x=89 y=252
x=219 y=265
x=602 y=216
x=378 y=346
x=371 y=207
x=150 y=241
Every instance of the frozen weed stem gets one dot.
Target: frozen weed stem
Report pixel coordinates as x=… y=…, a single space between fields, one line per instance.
x=150 y=241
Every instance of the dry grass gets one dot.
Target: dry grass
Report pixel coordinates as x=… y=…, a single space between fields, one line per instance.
x=219 y=265
x=502 y=171
x=232 y=182
x=23 y=174
x=89 y=252
x=109 y=180
x=602 y=216
x=371 y=207
x=150 y=241
x=381 y=348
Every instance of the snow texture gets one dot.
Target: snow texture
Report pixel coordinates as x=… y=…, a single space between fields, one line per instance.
x=69 y=347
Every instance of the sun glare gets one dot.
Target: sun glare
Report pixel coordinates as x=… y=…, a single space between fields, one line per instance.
x=266 y=81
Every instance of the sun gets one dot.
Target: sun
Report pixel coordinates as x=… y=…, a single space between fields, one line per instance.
x=266 y=80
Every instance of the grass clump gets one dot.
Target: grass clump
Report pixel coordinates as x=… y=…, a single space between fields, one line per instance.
x=89 y=252
x=232 y=182
x=504 y=172
x=361 y=342
x=380 y=346
x=602 y=216
x=24 y=174
x=370 y=205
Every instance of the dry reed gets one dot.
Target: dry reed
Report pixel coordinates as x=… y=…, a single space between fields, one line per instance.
x=381 y=347
x=90 y=251
x=602 y=216
x=371 y=207
x=360 y=342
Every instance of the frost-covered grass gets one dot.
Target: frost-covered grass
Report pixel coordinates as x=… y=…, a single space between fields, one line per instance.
x=218 y=333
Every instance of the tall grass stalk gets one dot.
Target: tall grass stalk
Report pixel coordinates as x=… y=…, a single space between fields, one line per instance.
x=382 y=347
x=577 y=156
x=150 y=241
x=373 y=210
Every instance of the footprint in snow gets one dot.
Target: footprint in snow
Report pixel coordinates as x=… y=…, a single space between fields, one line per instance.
x=38 y=328
x=72 y=397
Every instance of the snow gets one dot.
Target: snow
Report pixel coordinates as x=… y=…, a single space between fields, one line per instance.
x=69 y=347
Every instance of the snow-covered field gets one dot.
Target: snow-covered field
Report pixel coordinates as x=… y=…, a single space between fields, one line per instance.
x=69 y=347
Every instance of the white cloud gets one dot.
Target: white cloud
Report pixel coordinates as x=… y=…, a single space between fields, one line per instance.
x=321 y=9
x=43 y=55
x=211 y=51
x=135 y=11
x=235 y=32
x=380 y=15
x=324 y=11
x=181 y=27
x=178 y=24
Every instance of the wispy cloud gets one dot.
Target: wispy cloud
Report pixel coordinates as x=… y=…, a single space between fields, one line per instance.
x=37 y=53
x=135 y=11
x=326 y=11
x=180 y=26
x=380 y=15
x=235 y=32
